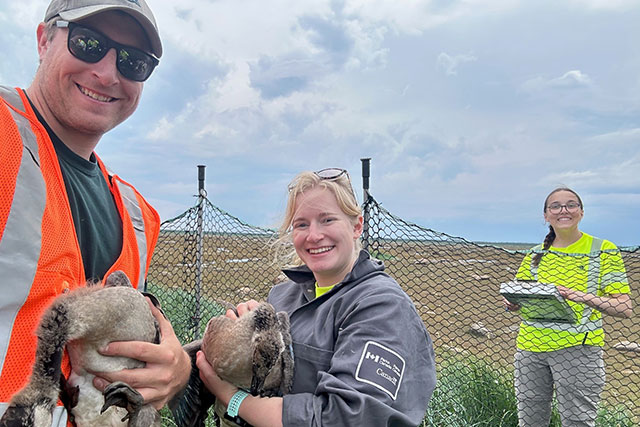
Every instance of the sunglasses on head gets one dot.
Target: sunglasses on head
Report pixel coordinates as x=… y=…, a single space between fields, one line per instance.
x=332 y=174
x=91 y=46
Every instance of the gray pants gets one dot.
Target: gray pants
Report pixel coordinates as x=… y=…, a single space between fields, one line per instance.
x=578 y=376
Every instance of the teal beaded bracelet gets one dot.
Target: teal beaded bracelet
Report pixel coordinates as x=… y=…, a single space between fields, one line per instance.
x=234 y=403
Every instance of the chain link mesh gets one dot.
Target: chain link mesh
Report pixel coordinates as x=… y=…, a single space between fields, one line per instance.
x=206 y=258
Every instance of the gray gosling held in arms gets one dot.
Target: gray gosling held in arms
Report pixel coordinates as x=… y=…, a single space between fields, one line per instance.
x=253 y=352
x=83 y=321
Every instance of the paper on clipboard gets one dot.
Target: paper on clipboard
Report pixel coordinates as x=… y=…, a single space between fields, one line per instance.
x=538 y=301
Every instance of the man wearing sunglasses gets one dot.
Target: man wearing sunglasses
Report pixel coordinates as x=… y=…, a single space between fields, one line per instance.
x=64 y=217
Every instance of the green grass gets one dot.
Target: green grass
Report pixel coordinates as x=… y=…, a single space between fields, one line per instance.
x=174 y=302
x=615 y=417
x=167 y=418
x=471 y=393
x=381 y=256
x=177 y=304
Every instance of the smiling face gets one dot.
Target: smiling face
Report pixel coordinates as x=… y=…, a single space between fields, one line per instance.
x=324 y=237
x=79 y=98
x=564 y=220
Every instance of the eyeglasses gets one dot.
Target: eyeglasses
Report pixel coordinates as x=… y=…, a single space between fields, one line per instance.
x=91 y=46
x=332 y=174
x=556 y=208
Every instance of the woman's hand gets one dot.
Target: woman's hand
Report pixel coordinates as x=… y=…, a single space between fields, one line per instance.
x=242 y=308
x=257 y=411
x=572 y=294
x=220 y=388
x=618 y=305
x=509 y=306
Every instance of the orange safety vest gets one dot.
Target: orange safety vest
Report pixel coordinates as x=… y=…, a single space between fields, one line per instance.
x=39 y=252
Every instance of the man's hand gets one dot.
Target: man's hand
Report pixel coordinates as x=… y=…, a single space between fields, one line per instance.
x=167 y=365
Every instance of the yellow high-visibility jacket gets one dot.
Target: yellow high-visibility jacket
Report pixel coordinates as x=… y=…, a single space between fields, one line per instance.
x=589 y=265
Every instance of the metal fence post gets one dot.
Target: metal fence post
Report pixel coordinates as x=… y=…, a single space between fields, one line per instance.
x=202 y=194
x=365 y=197
x=435 y=269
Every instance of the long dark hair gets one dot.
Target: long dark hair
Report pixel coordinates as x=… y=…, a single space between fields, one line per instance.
x=551 y=235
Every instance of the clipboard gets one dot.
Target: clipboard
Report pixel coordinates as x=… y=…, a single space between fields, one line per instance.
x=539 y=302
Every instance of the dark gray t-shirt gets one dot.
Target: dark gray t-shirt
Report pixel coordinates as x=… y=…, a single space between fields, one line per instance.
x=95 y=215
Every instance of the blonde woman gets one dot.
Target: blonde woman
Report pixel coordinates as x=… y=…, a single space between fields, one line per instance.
x=363 y=356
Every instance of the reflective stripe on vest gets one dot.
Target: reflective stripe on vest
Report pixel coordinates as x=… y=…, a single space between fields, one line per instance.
x=130 y=202
x=22 y=237
x=21 y=241
x=593 y=274
x=128 y=195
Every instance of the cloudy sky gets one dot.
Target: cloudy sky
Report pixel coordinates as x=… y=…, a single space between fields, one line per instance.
x=470 y=110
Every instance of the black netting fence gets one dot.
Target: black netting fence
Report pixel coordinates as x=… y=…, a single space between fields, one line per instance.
x=207 y=257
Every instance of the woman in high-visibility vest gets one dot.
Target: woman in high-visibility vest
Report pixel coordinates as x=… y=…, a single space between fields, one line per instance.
x=568 y=357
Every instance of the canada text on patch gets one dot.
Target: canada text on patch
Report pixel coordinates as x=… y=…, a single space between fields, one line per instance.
x=381 y=367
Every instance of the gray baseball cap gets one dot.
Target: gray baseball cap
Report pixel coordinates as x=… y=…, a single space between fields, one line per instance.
x=75 y=10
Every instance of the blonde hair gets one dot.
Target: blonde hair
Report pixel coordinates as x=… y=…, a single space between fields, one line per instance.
x=284 y=252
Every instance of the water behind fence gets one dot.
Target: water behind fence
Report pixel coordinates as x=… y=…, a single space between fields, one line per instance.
x=206 y=257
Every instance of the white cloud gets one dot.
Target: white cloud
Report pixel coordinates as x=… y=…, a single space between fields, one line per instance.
x=162 y=128
x=259 y=90
x=616 y=177
x=622 y=137
x=236 y=30
x=234 y=91
x=24 y=14
x=417 y=16
x=600 y=5
x=450 y=64
x=574 y=79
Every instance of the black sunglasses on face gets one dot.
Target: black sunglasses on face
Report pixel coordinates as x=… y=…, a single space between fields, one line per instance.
x=91 y=46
